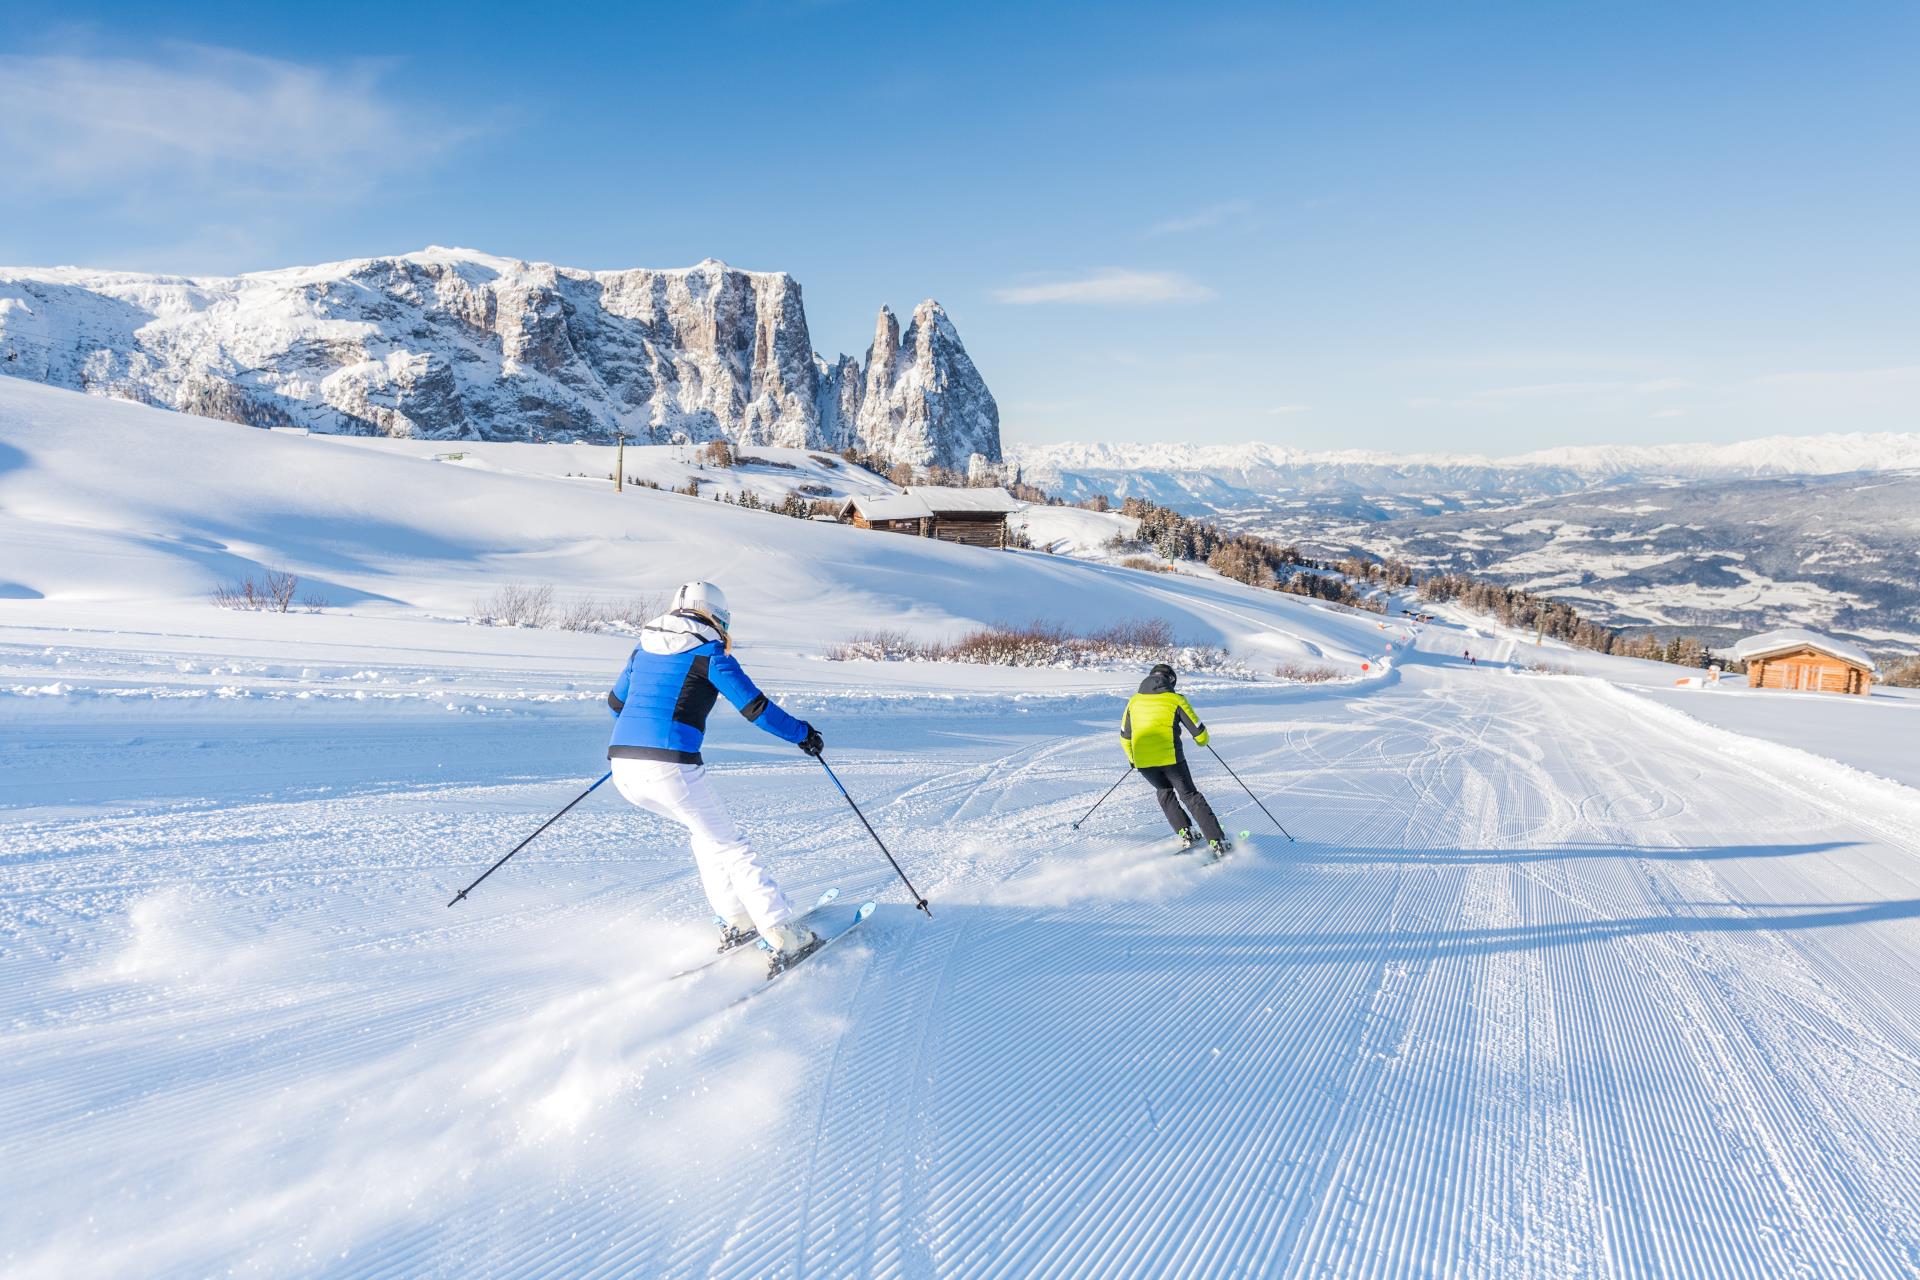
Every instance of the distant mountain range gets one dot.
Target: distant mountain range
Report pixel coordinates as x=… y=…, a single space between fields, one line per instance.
x=1818 y=531
x=457 y=344
x=1220 y=477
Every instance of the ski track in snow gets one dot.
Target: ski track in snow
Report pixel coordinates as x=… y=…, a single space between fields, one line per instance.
x=1546 y=988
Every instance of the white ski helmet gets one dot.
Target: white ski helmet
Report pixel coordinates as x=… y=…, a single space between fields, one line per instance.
x=707 y=600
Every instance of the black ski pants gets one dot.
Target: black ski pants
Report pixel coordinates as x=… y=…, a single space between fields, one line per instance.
x=1173 y=787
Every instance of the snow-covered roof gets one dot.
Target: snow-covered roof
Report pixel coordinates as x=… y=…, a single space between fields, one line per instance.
x=1795 y=638
x=981 y=501
x=889 y=506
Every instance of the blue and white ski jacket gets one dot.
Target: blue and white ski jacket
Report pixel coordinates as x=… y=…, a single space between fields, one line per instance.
x=661 y=700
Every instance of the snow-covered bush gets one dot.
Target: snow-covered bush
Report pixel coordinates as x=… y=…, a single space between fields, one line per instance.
x=584 y=614
x=521 y=605
x=1141 y=642
x=517 y=604
x=878 y=645
x=1302 y=673
x=635 y=612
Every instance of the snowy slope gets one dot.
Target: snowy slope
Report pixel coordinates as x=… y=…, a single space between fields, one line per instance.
x=1557 y=981
x=371 y=527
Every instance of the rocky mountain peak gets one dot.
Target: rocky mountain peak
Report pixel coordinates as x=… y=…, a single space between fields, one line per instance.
x=458 y=344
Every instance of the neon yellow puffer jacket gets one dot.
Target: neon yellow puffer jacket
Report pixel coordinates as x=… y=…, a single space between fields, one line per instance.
x=1150 y=729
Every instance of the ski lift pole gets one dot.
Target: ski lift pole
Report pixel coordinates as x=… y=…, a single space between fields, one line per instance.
x=529 y=840
x=918 y=901
x=1249 y=790
x=1103 y=799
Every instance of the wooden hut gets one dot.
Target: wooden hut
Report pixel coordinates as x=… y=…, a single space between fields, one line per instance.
x=977 y=517
x=887 y=512
x=1805 y=660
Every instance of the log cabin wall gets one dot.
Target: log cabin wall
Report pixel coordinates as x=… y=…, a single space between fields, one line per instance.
x=975 y=529
x=1808 y=670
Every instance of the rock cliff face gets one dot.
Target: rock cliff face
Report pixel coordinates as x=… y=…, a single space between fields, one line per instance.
x=454 y=344
x=922 y=400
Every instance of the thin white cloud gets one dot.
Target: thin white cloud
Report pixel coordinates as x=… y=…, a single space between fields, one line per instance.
x=1109 y=287
x=1289 y=408
x=1214 y=215
x=227 y=123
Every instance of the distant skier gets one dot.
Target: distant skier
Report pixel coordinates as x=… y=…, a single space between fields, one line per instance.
x=1468 y=655
x=1150 y=733
x=660 y=703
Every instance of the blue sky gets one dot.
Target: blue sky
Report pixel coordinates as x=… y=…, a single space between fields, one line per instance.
x=1482 y=227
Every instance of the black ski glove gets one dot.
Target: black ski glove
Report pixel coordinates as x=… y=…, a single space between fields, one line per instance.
x=813 y=744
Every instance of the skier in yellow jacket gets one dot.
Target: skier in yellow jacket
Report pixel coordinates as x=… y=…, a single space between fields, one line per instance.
x=1150 y=733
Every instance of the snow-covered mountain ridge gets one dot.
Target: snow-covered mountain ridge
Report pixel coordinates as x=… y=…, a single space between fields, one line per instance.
x=1544 y=470
x=459 y=344
x=1812 y=531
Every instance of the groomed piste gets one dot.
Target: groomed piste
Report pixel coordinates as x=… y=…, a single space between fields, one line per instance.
x=1560 y=979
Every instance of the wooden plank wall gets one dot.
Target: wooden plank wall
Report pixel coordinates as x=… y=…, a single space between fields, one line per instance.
x=976 y=531
x=1807 y=670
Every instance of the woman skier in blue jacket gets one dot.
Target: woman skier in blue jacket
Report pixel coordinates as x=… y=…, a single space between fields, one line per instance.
x=681 y=666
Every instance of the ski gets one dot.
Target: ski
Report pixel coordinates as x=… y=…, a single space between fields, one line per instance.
x=781 y=965
x=735 y=942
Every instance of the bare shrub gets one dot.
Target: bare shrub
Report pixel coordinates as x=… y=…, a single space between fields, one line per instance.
x=825 y=460
x=584 y=614
x=280 y=587
x=718 y=453
x=1037 y=644
x=517 y=604
x=635 y=612
x=1541 y=667
x=1042 y=644
x=878 y=645
x=1146 y=564
x=1140 y=633
x=1302 y=673
x=272 y=592
x=243 y=594
x=315 y=603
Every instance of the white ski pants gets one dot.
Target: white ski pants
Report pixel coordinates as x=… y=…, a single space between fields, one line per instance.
x=735 y=881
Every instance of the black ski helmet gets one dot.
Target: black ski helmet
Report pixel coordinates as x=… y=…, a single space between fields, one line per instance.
x=1166 y=673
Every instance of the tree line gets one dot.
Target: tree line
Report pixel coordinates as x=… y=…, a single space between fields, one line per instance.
x=1517 y=607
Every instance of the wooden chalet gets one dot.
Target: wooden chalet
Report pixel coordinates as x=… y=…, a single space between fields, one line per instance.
x=1805 y=660
x=887 y=512
x=976 y=517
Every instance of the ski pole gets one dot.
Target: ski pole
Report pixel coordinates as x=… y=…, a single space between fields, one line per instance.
x=918 y=901
x=1249 y=790
x=1103 y=799
x=529 y=840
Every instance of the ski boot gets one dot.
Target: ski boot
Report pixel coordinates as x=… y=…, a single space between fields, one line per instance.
x=735 y=931
x=1219 y=848
x=790 y=943
x=1186 y=838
